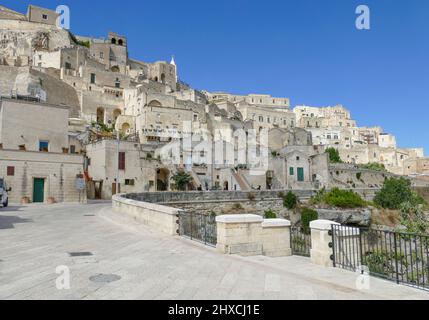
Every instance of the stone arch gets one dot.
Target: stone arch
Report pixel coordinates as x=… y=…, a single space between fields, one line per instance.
x=125 y=127
x=117 y=113
x=162 y=179
x=113 y=40
x=155 y=79
x=115 y=69
x=155 y=103
x=121 y=42
x=163 y=78
x=226 y=186
x=100 y=115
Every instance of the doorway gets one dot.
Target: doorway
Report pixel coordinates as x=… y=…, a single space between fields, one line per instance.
x=39 y=190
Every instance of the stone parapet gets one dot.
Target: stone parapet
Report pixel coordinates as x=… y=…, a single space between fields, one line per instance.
x=161 y=218
x=251 y=235
x=321 y=238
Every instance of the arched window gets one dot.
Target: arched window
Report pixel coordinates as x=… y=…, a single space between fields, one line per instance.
x=121 y=42
x=163 y=78
x=100 y=115
x=113 y=40
x=116 y=113
x=155 y=103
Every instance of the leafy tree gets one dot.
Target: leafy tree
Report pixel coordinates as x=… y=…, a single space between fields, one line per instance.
x=334 y=155
x=394 y=193
x=181 y=180
x=307 y=216
x=290 y=201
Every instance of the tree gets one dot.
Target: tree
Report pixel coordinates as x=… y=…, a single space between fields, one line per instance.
x=394 y=193
x=334 y=155
x=181 y=180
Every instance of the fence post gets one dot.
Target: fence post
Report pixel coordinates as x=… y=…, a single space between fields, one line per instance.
x=321 y=242
x=396 y=258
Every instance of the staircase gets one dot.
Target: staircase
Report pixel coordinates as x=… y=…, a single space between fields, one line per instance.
x=244 y=185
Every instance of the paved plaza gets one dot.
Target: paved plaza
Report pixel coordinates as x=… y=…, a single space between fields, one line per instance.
x=111 y=258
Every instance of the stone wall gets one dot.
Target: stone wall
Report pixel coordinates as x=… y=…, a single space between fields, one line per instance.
x=58 y=170
x=161 y=218
x=214 y=196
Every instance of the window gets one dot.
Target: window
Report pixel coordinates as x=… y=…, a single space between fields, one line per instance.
x=92 y=78
x=72 y=149
x=10 y=171
x=68 y=65
x=291 y=171
x=121 y=164
x=101 y=55
x=129 y=182
x=117 y=83
x=44 y=16
x=44 y=146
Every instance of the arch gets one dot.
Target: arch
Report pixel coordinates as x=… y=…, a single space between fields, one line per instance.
x=155 y=103
x=155 y=79
x=121 y=42
x=113 y=40
x=226 y=186
x=163 y=78
x=100 y=115
x=117 y=113
x=115 y=69
x=126 y=127
x=162 y=179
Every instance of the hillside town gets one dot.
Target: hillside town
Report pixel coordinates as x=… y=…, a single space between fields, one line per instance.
x=81 y=118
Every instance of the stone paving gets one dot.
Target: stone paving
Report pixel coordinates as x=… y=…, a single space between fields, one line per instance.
x=142 y=264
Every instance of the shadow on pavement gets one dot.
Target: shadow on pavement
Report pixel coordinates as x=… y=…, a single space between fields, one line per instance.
x=8 y=222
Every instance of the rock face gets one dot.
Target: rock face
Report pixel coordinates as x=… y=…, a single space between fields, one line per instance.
x=356 y=217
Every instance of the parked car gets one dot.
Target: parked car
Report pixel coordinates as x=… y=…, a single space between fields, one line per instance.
x=4 y=199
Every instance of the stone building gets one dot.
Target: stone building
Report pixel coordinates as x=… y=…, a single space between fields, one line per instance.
x=36 y=159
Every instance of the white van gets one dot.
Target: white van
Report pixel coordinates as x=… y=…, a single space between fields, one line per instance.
x=4 y=199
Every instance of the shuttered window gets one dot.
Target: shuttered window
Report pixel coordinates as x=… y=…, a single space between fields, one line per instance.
x=10 y=171
x=121 y=161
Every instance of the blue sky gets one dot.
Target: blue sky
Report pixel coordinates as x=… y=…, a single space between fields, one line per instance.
x=307 y=50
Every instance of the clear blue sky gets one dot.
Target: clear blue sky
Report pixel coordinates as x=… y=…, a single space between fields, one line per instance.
x=307 y=50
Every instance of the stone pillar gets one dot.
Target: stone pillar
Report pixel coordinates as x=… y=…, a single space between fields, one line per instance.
x=321 y=242
x=239 y=234
x=276 y=238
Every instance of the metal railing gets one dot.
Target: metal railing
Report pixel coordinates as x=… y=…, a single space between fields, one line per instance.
x=300 y=240
x=198 y=227
x=396 y=256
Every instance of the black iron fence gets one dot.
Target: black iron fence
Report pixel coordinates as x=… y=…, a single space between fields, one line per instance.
x=300 y=240
x=198 y=227
x=396 y=256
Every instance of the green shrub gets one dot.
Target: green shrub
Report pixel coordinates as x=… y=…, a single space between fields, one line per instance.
x=270 y=214
x=181 y=180
x=319 y=197
x=395 y=192
x=344 y=199
x=308 y=215
x=334 y=155
x=373 y=166
x=290 y=201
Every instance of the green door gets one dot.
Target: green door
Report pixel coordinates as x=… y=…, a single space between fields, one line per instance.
x=39 y=190
x=300 y=174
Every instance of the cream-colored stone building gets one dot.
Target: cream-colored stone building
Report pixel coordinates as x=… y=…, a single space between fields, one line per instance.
x=36 y=159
